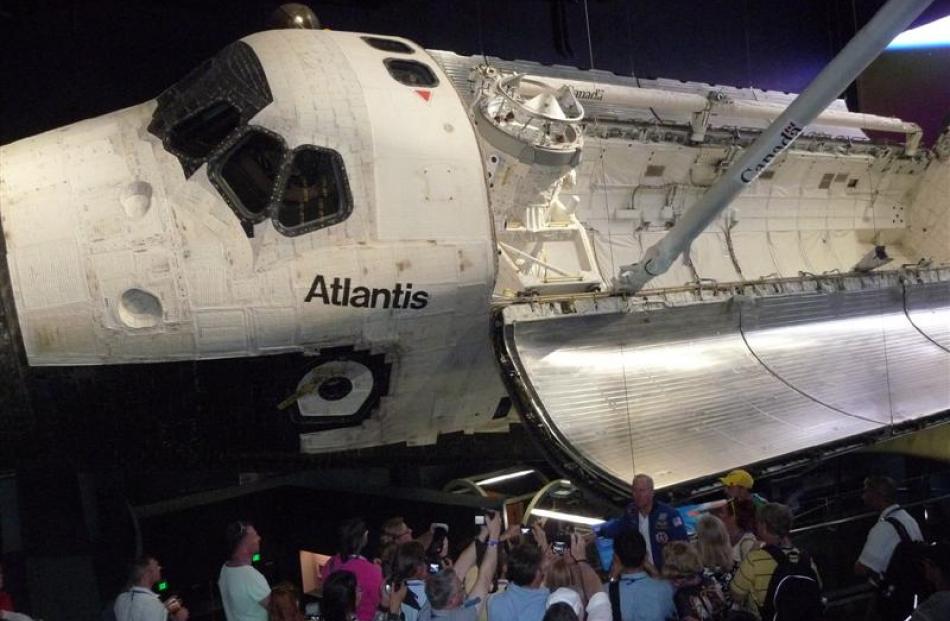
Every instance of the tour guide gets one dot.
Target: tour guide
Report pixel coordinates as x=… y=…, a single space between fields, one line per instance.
x=659 y=523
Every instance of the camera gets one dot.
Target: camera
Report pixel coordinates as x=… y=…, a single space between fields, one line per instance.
x=392 y=585
x=482 y=520
x=434 y=552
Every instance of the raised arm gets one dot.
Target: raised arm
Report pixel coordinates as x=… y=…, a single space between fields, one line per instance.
x=486 y=571
x=466 y=559
x=590 y=582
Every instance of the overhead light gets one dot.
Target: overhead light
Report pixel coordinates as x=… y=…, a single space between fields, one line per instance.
x=934 y=34
x=567 y=517
x=504 y=477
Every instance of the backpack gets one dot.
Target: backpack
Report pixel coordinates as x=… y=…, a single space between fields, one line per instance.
x=794 y=593
x=904 y=575
x=703 y=600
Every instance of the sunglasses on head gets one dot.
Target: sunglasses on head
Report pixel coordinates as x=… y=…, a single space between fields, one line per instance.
x=243 y=527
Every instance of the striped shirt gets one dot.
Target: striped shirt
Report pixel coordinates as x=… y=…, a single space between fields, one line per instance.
x=750 y=585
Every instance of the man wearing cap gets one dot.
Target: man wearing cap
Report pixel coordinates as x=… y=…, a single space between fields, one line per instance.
x=738 y=484
x=659 y=523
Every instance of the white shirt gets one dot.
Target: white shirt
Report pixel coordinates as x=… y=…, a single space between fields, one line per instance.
x=883 y=538
x=139 y=604
x=644 y=524
x=598 y=608
x=242 y=589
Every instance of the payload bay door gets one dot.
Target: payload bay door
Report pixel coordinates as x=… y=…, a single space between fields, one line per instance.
x=619 y=386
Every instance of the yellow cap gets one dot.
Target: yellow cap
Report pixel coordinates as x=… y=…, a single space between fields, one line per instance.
x=738 y=477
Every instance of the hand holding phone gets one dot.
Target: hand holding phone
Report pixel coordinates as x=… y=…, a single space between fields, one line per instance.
x=397 y=596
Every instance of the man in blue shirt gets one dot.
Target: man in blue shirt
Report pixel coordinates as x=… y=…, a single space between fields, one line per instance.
x=638 y=596
x=657 y=522
x=525 y=598
x=444 y=590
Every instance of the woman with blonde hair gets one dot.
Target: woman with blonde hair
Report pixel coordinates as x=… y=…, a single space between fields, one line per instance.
x=716 y=553
x=284 y=603
x=697 y=597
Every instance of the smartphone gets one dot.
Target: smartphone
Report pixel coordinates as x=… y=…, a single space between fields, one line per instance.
x=434 y=568
x=559 y=547
x=480 y=520
x=525 y=530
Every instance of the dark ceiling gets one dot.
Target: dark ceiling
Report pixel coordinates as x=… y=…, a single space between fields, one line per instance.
x=65 y=60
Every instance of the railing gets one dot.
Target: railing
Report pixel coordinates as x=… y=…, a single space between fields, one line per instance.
x=863 y=516
x=847 y=594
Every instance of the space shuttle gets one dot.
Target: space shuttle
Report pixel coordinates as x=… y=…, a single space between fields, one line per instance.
x=398 y=243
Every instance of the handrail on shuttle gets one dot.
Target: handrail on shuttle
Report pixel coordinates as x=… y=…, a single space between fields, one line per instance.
x=701 y=108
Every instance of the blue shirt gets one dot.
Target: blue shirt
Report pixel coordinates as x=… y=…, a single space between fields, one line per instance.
x=643 y=598
x=666 y=525
x=418 y=589
x=518 y=603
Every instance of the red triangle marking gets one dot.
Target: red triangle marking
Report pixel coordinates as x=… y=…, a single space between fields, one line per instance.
x=425 y=94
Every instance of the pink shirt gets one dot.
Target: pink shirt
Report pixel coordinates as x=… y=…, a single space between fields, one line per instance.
x=369 y=578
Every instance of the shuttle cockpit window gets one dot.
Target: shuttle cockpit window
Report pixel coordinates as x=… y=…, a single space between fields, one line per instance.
x=315 y=191
x=199 y=134
x=388 y=45
x=300 y=190
x=246 y=174
x=411 y=72
x=200 y=115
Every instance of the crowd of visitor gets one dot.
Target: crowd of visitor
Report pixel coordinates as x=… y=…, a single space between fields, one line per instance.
x=739 y=564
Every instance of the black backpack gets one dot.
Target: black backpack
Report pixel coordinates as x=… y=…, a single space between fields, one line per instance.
x=904 y=576
x=794 y=593
x=613 y=591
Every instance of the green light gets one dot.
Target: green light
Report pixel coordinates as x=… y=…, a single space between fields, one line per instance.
x=162 y=586
x=256 y=558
